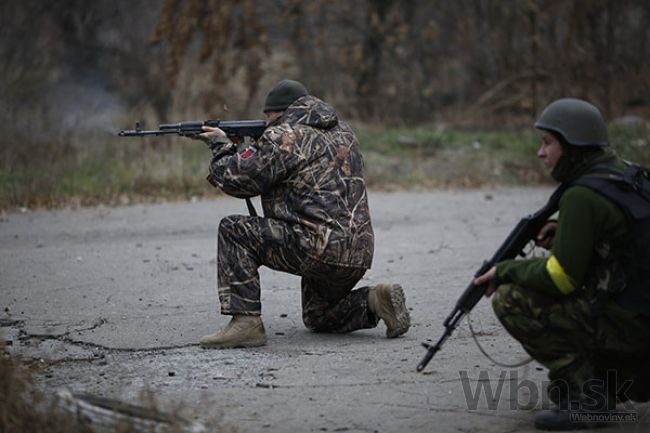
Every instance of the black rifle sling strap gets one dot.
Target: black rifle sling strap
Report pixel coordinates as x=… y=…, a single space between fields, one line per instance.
x=251 y=209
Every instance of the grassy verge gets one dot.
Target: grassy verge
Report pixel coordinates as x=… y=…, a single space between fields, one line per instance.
x=153 y=170
x=430 y=157
x=436 y=157
x=123 y=173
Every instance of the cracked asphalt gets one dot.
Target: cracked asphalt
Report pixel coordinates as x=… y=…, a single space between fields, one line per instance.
x=112 y=301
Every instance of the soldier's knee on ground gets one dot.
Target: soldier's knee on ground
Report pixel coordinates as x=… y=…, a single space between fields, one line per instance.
x=315 y=322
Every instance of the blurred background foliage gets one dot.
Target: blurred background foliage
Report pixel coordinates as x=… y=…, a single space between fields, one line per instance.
x=441 y=92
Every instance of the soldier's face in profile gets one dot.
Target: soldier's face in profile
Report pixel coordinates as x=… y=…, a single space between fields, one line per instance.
x=550 y=150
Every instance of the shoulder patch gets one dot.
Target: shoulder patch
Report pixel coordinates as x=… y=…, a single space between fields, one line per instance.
x=248 y=152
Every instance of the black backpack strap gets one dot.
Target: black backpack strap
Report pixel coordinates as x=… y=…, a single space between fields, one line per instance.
x=630 y=189
x=638 y=178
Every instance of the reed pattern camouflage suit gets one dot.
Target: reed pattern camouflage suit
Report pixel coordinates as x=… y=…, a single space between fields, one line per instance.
x=308 y=169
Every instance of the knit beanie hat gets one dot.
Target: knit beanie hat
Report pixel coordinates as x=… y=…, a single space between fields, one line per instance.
x=284 y=94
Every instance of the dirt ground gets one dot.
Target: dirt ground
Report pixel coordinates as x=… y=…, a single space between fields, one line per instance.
x=112 y=301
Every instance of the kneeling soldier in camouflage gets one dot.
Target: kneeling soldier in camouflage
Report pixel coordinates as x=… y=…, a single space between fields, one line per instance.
x=307 y=167
x=584 y=312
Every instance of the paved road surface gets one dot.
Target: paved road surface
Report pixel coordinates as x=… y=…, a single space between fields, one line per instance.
x=114 y=301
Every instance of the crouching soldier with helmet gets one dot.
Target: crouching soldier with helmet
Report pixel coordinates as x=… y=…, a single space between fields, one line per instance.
x=584 y=311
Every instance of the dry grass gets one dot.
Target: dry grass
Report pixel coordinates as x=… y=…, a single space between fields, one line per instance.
x=123 y=171
x=26 y=407
x=22 y=409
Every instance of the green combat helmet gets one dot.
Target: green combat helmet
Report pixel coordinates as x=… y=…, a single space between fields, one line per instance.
x=578 y=121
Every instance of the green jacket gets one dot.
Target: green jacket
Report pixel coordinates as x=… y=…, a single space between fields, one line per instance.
x=590 y=226
x=587 y=222
x=308 y=170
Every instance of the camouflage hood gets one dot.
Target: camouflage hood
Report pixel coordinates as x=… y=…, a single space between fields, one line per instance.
x=310 y=111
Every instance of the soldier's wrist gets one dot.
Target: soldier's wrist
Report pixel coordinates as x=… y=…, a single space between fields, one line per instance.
x=217 y=141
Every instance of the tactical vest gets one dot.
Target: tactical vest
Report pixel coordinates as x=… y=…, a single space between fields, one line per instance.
x=630 y=190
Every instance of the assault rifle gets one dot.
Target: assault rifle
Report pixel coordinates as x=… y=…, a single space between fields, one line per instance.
x=525 y=231
x=232 y=128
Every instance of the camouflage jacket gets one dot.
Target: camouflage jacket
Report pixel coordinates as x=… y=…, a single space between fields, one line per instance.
x=308 y=169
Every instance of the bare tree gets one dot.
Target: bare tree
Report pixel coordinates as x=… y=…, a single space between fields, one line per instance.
x=232 y=36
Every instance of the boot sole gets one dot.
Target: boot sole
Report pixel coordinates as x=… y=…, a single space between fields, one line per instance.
x=402 y=316
x=234 y=345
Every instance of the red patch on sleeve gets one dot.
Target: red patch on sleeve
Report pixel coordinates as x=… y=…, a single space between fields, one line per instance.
x=247 y=153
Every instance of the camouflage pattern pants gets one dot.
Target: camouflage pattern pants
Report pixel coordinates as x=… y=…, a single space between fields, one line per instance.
x=576 y=341
x=328 y=302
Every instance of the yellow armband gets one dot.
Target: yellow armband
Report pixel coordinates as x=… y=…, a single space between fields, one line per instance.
x=560 y=278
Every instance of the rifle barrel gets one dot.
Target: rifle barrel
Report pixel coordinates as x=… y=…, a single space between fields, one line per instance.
x=138 y=133
x=432 y=350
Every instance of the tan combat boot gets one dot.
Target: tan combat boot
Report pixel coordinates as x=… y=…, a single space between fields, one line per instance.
x=387 y=302
x=241 y=331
